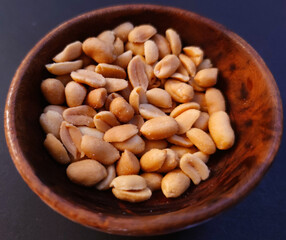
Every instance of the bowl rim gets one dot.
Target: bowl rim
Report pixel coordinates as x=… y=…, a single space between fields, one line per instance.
x=135 y=225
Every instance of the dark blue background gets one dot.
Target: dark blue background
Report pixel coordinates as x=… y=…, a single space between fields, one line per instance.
x=261 y=215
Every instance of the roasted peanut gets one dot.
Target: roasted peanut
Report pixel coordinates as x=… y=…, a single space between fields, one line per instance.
x=63 y=68
x=110 y=98
x=174 y=41
x=148 y=111
x=151 y=52
x=221 y=130
x=115 y=84
x=184 y=107
x=201 y=140
x=171 y=161
x=70 y=52
x=129 y=182
x=201 y=100
x=110 y=71
x=75 y=94
x=175 y=183
x=170 y=109
x=159 y=97
x=162 y=44
x=141 y=34
x=138 y=121
x=123 y=59
x=206 y=77
x=135 y=145
x=180 y=76
x=167 y=66
x=153 y=180
x=137 y=74
x=104 y=120
x=71 y=138
x=137 y=97
x=101 y=125
x=100 y=51
x=107 y=36
x=91 y=132
x=186 y=120
x=158 y=144
x=179 y=91
x=105 y=183
x=65 y=79
x=203 y=121
x=80 y=116
x=125 y=93
x=51 y=122
x=86 y=172
x=89 y=78
x=123 y=30
x=118 y=46
x=90 y=68
x=182 y=70
x=55 y=108
x=136 y=48
x=53 y=91
x=196 y=86
x=159 y=128
x=153 y=160
x=183 y=150
x=100 y=150
x=204 y=157
x=188 y=64
x=194 y=168
x=56 y=149
x=206 y=63
x=195 y=53
x=121 y=109
x=180 y=141
x=128 y=164
x=214 y=100
x=86 y=60
x=120 y=133
x=132 y=196
x=96 y=98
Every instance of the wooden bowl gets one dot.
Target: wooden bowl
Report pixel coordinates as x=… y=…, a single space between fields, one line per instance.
x=254 y=106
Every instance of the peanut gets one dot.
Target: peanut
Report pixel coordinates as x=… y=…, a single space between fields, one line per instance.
x=184 y=107
x=132 y=196
x=188 y=64
x=183 y=150
x=80 y=116
x=118 y=46
x=129 y=182
x=63 y=68
x=167 y=66
x=56 y=108
x=206 y=77
x=201 y=100
x=158 y=144
x=151 y=52
x=53 y=91
x=107 y=36
x=70 y=52
x=110 y=98
x=195 y=53
x=136 y=48
x=91 y=132
x=171 y=161
x=89 y=78
x=120 y=133
x=138 y=121
x=186 y=120
x=137 y=97
x=174 y=41
x=153 y=180
x=121 y=109
x=96 y=98
x=153 y=160
x=115 y=84
x=179 y=91
x=51 y=122
x=162 y=44
x=180 y=76
x=141 y=34
x=75 y=94
x=204 y=157
x=135 y=145
x=128 y=164
x=123 y=59
x=110 y=71
x=159 y=98
x=214 y=100
x=65 y=79
x=123 y=30
x=180 y=141
x=203 y=121
x=148 y=111
x=206 y=63
x=111 y=174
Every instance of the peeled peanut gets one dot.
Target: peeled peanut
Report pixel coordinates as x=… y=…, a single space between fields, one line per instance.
x=75 y=94
x=138 y=121
x=51 y=122
x=175 y=183
x=123 y=59
x=153 y=160
x=170 y=109
x=137 y=73
x=206 y=77
x=86 y=60
x=105 y=183
x=206 y=63
x=125 y=93
x=162 y=44
x=153 y=180
x=183 y=150
x=151 y=52
x=214 y=100
x=221 y=130
x=107 y=36
x=101 y=125
x=110 y=71
x=80 y=115
x=70 y=52
x=186 y=120
x=158 y=144
x=201 y=140
x=159 y=97
x=134 y=144
x=194 y=168
x=56 y=149
x=136 y=48
x=90 y=67
x=159 y=128
x=171 y=161
x=115 y=84
x=91 y=132
x=129 y=182
x=118 y=46
x=174 y=41
x=96 y=98
x=195 y=53
x=132 y=196
x=110 y=98
x=100 y=150
x=120 y=133
x=182 y=70
x=55 y=108
x=179 y=91
x=123 y=30
x=86 y=172
x=128 y=164
x=63 y=68
x=148 y=111
x=188 y=64
x=180 y=77
x=141 y=33
x=180 y=141
x=100 y=51
x=53 y=91
x=121 y=109
x=65 y=79
x=184 y=107
x=203 y=121
x=137 y=97
x=89 y=78
x=196 y=86
x=204 y=157
x=107 y=117
x=167 y=66
x=201 y=100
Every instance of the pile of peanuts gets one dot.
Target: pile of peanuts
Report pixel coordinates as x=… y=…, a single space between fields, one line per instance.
x=133 y=111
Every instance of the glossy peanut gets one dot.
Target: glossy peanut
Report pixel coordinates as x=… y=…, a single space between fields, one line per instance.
x=184 y=107
x=153 y=180
x=51 y=122
x=70 y=52
x=75 y=94
x=180 y=150
x=107 y=37
x=188 y=64
x=115 y=84
x=132 y=196
x=162 y=44
x=120 y=133
x=138 y=121
x=137 y=97
x=204 y=157
x=129 y=182
x=195 y=53
x=89 y=78
x=63 y=68
x=167 y=66
x=141 y=33
x=203 y=121
x=123 y=30
x=128 y=164
x=171 y=161
x=123 y=59
x=135 y=48
x=53 y=91
x=148 y=111
x=91 y=132
x=105 y=183
x=121 y=109
x=186 y=120
x=110 y=98
x=206 y=77
x=80 y=116
x=153 y=160
x=214 y=100
x=180 y=140
x=134 y=144
x=56 y=108
x=159 y=97
x=110 y=71
x=151 y=52
x=174 y=41
x=96 y=98
x=179 y=91
x=118 y=46
x=200 y=98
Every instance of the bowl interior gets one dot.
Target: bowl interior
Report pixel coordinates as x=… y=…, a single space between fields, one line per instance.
x=253 y=105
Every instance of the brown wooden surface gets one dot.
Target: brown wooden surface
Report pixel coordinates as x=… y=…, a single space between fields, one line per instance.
x=253 y=103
